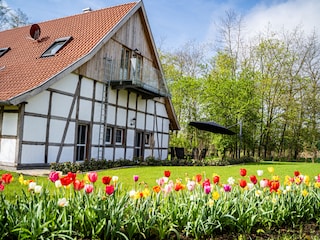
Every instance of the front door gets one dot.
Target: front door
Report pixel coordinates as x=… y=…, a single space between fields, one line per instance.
x=139 y=147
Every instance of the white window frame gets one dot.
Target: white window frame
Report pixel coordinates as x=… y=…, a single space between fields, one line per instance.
x=56 y=46
x=109 y=136
x=116 y=140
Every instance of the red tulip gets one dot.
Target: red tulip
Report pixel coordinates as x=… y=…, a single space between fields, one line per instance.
x=216 y=179
x=72 y=176
x=66 y=180
x=253 y=179
x=106 y=180
x=78 y=185
x=243 y=172
x=198 y=178
x=93 y=177
x=6 y=178
x=243 y=183
x=167 y=173
x=178 y=186
x=109 y=189
x=296 y=173
x=1 y=187
x=274 y=186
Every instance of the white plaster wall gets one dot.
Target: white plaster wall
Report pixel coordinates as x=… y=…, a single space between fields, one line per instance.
x=66 y=154
x=119 y=153
x=122 y=98
x=85 y=110
x=67 y=84
x=95 y=134
x=56 y=131
x=61 y=105
x=112 y=96
x=32 y=154
x=38 y=103
x=141 y=104
x=99 y=91
x=150 y=106
x=121 y=117
x=158 y=124
x=131 y=115
x=129 y=154
x=132 y=100
x=34 y=129
x=130 y=137
x=140 y=120
x=165 y=140
x=166 y=125
x=97 y=111
x=10 y=124
x=111 y=115
x=108 y=153
x=164 y=154
x=8 y=151
x=86 y=89
x=161 y=110
x=94 y=152
x=150 y=123
x=147 y=153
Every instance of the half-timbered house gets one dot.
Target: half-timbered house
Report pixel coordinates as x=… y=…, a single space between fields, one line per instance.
x=88 y=86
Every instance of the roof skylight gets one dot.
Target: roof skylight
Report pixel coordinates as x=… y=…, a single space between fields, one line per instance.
x=4 y=51
x=56 y=46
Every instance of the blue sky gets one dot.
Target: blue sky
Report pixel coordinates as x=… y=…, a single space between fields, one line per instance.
x=175 y=22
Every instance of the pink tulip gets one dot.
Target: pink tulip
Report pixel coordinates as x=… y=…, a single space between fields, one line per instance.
x=191 y=185
x=88 y=188
x=135 y=178
x=264 y=183
x=54 y=176
x=109 y=189
x=227 y=188
x=207 y=188
x=92 y=176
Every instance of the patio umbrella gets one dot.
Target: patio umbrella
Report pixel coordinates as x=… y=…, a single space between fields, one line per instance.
x=212 y=127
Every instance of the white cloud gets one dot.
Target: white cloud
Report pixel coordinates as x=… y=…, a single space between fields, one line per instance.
x=288 y=15
x=277 y=16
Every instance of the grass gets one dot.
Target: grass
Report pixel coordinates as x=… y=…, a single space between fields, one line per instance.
x=148 y=175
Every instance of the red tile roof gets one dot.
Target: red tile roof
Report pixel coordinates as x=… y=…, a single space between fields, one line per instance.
x=22 y=69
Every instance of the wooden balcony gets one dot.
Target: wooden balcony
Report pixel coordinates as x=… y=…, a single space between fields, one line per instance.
x=145 y=80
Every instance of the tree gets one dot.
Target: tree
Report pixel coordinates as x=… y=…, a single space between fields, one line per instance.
x=10 y=18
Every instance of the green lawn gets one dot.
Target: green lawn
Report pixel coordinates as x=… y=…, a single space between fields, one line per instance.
x=148 y=175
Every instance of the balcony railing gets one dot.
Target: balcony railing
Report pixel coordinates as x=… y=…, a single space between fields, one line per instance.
x=145 y=80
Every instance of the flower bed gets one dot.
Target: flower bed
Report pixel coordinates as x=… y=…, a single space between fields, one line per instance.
x=196 y=208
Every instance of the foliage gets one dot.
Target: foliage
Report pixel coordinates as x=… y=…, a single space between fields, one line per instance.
x=11 y=18
x=93 y=165
x=199 y=207
x=269 y=84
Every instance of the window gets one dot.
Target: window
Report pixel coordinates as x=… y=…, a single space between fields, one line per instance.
x=56 y=46
x=108 y=135
x=82 y=142
x=124 y=64
x=119 y=136
x=138 y=67
x=148 y=140
x=3 y=51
